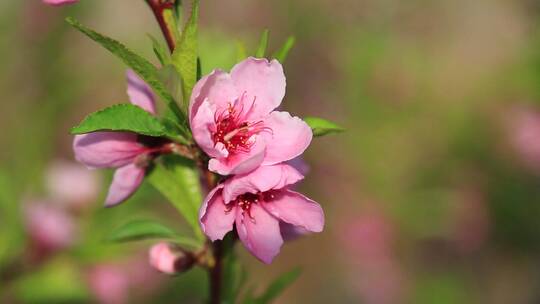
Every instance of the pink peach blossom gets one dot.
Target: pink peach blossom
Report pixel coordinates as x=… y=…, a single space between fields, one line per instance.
x=49 y=227
x=524 y=134
x=71 y=185
x=233 y=119
x=256 y=203
x=120 y=150
x=59 y=2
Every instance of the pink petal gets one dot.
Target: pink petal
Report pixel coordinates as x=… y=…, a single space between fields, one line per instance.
x=106 y=149
x=49 y=226
x=202 y=125
x=162 y=258
x=59 y=2
x=217 y=88
x=214 y=218
x=262 y=179
x=260 y=79
x=240 y=163
x=290 y=232
x=296 y=209
x=259 y=233
x=125 y=182
x=140 y=93
x=290 y=136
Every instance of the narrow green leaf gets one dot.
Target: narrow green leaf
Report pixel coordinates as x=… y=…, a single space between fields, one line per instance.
x=234 y=274
x=146 y=70
x=177 y=179
x=160 y=51
x=138 y=230
x=278 y=286
x=121 y=117
x=283 y=52
x=263 y=44
x=184 y=57
x=322 y=127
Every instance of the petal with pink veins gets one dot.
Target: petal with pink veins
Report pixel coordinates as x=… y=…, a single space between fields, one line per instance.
x=106 y=149
x=217 y=88
x=140 y=93
x=216 y=218
x=125 y=182
x=290 y=136
x=296 y=209
x=261 y=179
x=242 y=162
x=259 y=232
x=262 y=81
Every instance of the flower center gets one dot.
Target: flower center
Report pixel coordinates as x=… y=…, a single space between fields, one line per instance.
x=246 y=200
x=233 y=130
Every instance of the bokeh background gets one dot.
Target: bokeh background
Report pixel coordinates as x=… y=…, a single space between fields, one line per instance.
x=431 y=196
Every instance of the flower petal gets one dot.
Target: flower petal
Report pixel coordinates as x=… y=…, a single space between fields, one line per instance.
x=125 y=182
x=162 y=258
x=262 y=179
x=217 y=88
x=202 y=126
x=214 y=218
x=106 y=149
x=261 y=81
x=240 y=163
x=140 y=93
x=259 y=233
x=290 y=136
x=296 y=209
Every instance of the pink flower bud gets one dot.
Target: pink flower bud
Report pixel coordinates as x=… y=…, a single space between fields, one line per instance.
x=167 y=260
x=59 y=2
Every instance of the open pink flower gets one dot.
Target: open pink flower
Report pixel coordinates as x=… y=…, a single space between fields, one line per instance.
x=256 y=203
x=120 y=150
x=59 y=2
x=233 y=119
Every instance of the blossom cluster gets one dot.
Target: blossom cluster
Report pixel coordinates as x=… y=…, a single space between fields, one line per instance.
x=234 y=121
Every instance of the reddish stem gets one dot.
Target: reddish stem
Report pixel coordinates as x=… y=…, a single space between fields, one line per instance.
x=216 y=273
x=158 y=6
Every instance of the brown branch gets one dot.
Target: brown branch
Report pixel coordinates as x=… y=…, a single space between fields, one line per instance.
x=158 y=7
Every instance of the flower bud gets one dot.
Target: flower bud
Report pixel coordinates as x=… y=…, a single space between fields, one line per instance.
x=59 y=2
x=167 y=259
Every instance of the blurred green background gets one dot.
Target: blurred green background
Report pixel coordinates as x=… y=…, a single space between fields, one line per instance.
x=431 y=196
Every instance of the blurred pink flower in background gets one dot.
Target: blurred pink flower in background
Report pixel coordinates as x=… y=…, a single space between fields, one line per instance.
x=233 y=119
x=109 y=283
x=50 y=227
x=121 y=282
x=524 y=135
x=59 y=2
x=256 y=203
x=374 y=271
x=71 y=184
x=119 y=150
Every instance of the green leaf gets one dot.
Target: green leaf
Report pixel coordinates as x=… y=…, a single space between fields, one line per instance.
x=146 y=70
x=263 y=44
x=184 y=57
x=277 y=287
x=160 y=50
x=282 y=53
x=137 y=230
x=122 y=117
x=322 y=127
x=178 y=180
x=234 y=274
